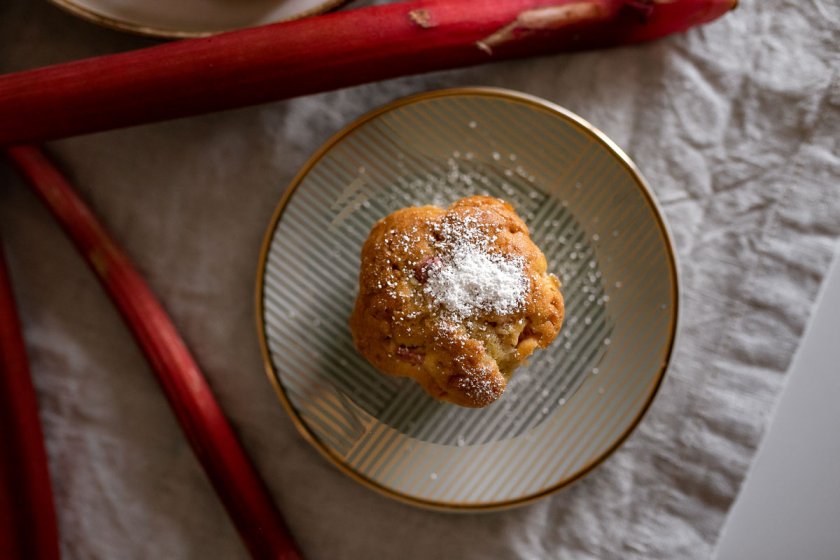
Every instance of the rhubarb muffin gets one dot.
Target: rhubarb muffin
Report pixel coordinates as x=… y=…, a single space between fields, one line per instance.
x=454 y=298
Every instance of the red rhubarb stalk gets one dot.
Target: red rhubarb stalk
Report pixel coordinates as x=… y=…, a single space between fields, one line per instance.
x=320 y=53
x=27 y=515
x=224 y=460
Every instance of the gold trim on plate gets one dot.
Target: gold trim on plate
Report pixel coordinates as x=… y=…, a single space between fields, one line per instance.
x=454 y=92
x=92 y=16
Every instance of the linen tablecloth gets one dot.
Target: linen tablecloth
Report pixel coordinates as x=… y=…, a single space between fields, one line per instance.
x=736 y=127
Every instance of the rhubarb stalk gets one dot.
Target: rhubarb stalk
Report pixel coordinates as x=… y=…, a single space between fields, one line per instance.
x=27 y=515
x=224 y=460
x=320 y=53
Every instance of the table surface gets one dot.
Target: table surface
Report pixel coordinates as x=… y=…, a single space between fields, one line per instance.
x=791 y=496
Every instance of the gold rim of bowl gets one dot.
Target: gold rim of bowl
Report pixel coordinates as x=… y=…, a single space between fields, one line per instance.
x=453 y=92
x=94 y=16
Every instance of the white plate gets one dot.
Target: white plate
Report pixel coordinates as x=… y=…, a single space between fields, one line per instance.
x=588 y=210
x=191 y=18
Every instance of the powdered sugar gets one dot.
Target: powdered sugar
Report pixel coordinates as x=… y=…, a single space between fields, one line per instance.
x=468 y=278
x=469 y=281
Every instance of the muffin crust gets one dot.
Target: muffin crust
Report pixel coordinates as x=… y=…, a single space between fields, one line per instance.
x=454 y=298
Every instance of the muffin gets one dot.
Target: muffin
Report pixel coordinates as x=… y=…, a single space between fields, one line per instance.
x=454 y=298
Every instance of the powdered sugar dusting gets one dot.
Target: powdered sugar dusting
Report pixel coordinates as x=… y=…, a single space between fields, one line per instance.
x=468 y=278
x=470 y=281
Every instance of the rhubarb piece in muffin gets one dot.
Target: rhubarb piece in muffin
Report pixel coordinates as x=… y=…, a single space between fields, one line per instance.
x=454 y=298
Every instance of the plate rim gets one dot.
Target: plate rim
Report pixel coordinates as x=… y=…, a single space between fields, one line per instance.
x=109 y=22
x=480 y=91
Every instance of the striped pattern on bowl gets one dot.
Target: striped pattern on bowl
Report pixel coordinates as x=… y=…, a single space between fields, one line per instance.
x=588 y=210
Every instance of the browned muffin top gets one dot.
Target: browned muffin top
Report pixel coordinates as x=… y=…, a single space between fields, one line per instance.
x=454 y=298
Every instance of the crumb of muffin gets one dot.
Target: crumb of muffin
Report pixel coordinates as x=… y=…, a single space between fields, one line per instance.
x=454 y=298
